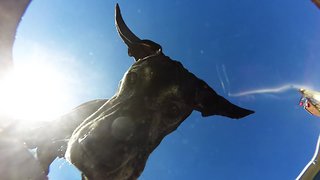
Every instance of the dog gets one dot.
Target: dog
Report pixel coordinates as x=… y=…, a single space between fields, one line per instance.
x=111 y=138
x=155 y=96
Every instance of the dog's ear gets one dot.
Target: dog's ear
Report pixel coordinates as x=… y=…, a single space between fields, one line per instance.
x=137 y=48
x=209 y=103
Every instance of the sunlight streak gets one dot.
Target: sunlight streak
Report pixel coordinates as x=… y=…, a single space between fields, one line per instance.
x=223 y=78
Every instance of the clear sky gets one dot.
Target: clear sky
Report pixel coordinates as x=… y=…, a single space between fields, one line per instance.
x=235 y=46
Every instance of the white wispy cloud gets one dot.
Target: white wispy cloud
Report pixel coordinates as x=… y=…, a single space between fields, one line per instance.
x=273 y=90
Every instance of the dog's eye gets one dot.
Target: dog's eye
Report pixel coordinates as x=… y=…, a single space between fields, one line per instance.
x=172 y=110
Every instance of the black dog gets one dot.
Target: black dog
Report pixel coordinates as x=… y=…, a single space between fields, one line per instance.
x=155 y=96
x=109 y=139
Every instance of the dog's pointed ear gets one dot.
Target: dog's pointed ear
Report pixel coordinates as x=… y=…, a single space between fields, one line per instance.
x=209 y=103
x=137 y=48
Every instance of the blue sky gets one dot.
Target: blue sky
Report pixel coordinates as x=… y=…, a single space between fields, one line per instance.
x=234 y=46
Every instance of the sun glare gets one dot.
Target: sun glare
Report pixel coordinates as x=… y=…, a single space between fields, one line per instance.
x=33 y=92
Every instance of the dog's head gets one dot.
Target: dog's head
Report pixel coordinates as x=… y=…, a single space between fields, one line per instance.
x=166 y=75
x=155 y=96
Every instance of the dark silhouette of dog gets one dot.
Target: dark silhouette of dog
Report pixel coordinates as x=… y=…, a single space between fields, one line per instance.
x=111 y=139
x=155 y=96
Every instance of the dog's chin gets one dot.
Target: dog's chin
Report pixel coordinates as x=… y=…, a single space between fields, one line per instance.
x=98 y=160
x=99 y=166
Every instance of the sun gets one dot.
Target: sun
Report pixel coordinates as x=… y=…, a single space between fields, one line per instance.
x=33 y=92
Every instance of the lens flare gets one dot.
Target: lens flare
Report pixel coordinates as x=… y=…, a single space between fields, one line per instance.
x=33 y=92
